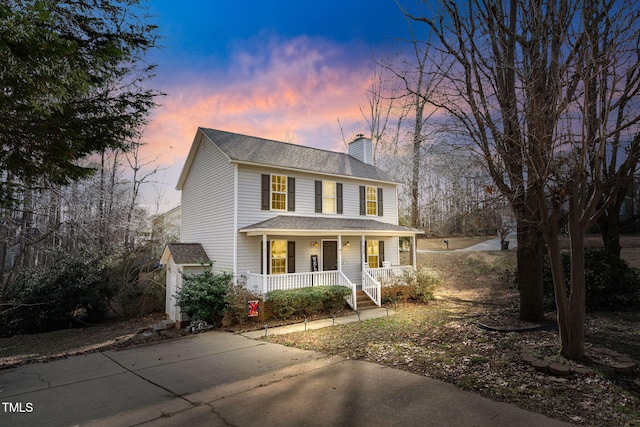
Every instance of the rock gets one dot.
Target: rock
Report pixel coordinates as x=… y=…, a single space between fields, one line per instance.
x=540 y=365
x=624 y=367
x=559 y=369
x=528 y=357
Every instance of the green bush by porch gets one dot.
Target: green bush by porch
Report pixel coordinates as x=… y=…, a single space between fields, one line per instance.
x=307 y=301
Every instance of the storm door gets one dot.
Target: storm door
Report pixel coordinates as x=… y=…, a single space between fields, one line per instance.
x=329 y=255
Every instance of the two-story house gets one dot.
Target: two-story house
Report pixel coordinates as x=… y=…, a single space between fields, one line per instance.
x=285 y=216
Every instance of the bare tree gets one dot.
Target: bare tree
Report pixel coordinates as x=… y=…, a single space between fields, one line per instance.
x=543 y=88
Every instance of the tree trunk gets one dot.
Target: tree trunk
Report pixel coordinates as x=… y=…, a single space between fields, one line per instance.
x=573 y=346
x=610 y=230
x=530 y=265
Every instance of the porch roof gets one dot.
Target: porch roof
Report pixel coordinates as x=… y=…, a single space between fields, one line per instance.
x=317 y=226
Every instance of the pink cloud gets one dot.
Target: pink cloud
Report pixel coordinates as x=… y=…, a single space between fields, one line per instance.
x=272 y=88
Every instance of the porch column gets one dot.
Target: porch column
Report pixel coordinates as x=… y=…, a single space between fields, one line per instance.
x=264 y=264
x=414 y=252
x=363 y=251
x=340 y=252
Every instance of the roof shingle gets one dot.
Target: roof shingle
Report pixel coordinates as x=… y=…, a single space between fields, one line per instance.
x=250 y=149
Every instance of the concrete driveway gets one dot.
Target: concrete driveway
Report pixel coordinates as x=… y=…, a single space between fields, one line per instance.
x=221 y=379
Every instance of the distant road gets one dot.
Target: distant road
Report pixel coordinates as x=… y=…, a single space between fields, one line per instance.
x=487 y=245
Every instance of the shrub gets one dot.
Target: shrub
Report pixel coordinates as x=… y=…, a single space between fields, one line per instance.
x=204 y=296
x=237 y=299
x=423 y=282
x=69 y=290
x=307 y=301
x=610 y=283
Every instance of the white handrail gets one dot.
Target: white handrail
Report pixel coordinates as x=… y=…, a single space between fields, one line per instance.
x=371 y=287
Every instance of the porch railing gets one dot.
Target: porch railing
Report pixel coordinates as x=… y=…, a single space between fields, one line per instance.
x=385 y=275
x=289 y=281
x=371 y=287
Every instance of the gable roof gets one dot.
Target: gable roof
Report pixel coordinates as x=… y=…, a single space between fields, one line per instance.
x=259 y=151
x=184 y=254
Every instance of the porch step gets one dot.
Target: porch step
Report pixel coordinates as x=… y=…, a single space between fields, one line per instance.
x=364 y=302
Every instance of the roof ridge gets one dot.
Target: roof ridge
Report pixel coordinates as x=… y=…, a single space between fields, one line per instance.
x=310 y=147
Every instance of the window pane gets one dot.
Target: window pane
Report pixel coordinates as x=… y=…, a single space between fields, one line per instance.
x=329 y=189
x=372 y=193
x=278 y=201
x=373 y=261
x=329 y=206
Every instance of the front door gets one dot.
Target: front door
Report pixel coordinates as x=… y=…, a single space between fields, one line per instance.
x=329 y=255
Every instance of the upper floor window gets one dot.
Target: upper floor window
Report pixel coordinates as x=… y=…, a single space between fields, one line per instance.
x=278 y=192
x=372 y=200
x=328 y=197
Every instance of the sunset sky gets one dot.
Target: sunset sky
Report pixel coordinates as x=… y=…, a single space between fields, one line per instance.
x=284 y=70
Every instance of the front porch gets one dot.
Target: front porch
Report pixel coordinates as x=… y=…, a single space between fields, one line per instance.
x=300 y=252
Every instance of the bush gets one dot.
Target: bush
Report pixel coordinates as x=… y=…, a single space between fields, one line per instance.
x=307 y=301
x=610 y=283
x=237 y=299
x=69 y=290
x=204 y=296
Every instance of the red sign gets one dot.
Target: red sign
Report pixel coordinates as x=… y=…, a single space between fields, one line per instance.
x=253 y=308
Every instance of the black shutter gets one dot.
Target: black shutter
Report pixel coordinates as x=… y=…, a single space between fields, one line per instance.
x=363 y=200
x=291 y=190
x=318 y=196
x=380 y=252
x=380 y=212
x=266 y=192
x=339 y=198
x=291 y=257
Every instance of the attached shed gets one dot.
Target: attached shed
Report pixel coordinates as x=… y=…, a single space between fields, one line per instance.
x=181 y=258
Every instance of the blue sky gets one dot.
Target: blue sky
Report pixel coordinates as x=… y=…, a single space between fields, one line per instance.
x=284 y=70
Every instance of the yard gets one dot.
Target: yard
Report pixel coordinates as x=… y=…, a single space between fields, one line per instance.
x=440 y=340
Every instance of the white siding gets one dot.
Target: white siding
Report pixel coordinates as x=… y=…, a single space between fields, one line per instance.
x=249 y=191
x=207 y=205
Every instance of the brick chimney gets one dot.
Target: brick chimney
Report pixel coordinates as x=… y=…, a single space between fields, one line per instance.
x=361 y=148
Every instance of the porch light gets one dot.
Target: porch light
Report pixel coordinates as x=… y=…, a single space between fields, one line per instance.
x=346 y=245
x=314 y=244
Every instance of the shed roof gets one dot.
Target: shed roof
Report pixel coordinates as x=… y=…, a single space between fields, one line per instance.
x=184 y=254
